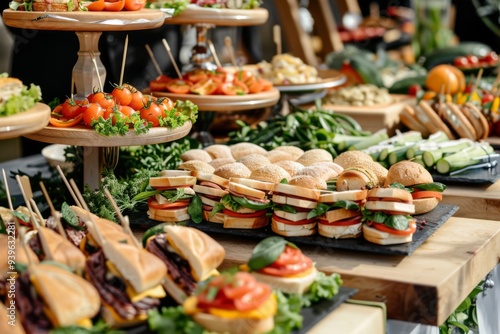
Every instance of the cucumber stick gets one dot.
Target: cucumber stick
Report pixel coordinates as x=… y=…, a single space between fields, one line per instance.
x=463 y=158
x=433 y=154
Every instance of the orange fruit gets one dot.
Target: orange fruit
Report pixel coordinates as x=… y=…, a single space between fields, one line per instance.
x=446 y=79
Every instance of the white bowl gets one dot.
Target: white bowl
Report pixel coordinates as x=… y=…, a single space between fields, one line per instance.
x=55 y=156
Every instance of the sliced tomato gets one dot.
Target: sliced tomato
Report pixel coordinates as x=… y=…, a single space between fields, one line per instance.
x=153 y=204
x=384 y=228
x=133 y=5
x=242 y=285
x=205 y=86
x=290 y=255
x=65 y=123
x=178 y=86
x=289 y=222
x=197 y=75
x=114 y=5
x=253 y=85
x=288 y=270
x=254 y=298
x=234 y=88
x=427 y=194
x=265 y=84
x=244 y=215
x=343 y=222
x=94 y=5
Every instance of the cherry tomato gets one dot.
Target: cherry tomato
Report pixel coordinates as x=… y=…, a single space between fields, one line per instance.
x=70 y=109
x=196 y=75
x=166 y=104
x=114 y=5
x=133 y=5
x=414 y=89
x=253 y=85
x=234 y=88
x=92 y=112
x=178 y=86
x=151 y=113
x=65 y=123
x=487 y=97
x=461 y=61
x=491 y=58
x=205 y=86
x=105 y=100
x=93 y=5
x=122 y=95
x=472 y=60
x=138 y=99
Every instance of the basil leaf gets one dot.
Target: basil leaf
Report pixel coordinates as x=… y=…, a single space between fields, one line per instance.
x=397 y=222
x=434 y=186
x=70 y=217
x=266 y=252
x=320 y=209
x=285 y=207
x=175 y=194
x=217 y=208
x=3 y=229
x=396 y=185
x=229 y=202
x=145 y=195
x=247 y=203
x=22 y=216
x=284 y=181
x=345 y=204
x=195 y=209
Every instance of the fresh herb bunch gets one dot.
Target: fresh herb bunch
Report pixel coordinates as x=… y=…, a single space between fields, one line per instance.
x=306 y=129
x=172 y=320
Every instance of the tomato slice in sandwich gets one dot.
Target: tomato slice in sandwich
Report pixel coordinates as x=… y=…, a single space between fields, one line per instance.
x=343 y=222
x=291 y=262
x=153 y=204
x=412 y=227
x=418 y=194
x=290 y=222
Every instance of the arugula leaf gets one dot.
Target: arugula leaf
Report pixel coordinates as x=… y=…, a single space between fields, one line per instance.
x=323 y=287
x=195 y=209
x=217 y=208
x=99 y=328
x=228 y=201
x=266 y=252
x=144 y=195
x=174 y=195
x=23 y=101
x=287 y=317
x=172 y=320
x=70 y=217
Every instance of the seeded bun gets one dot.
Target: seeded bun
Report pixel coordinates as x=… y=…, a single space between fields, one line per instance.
x=336 y=167
x=376 y=168
x=270 y=173
x=279 y=155
x=254 y=161
x=320 y=172
x=296 y=152
x=314 y=155
x=219 y=151
x=308 y=181
x=351 y=158
x=199 y=165
x=196 y=154
x=292 y=167
x=242 y=149
x=236 y=169
x=353 y=178
x=216 y=163
x=410 y=173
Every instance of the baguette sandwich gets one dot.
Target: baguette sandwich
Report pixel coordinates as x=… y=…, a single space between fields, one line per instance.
x=190 y=256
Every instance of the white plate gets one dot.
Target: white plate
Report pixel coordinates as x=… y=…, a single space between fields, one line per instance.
x=55 y=156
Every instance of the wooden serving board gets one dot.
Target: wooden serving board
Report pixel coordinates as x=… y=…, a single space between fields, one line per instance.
x=82 y=136
x=25 y=122
x=85 y=20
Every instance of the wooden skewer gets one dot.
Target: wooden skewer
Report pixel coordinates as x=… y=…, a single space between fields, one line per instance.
x=277 y=38
x=72 y=86
x=54 y=213
x=22 y=239
x=36 y=210
x=65 y=180
x=153 y=59
x=123 y=220
x=124 y=60
x=214 y=53
x=172 y=59
x=229 y=47
x=92 y=56
x=476 y=82
x=24 y=185
x=79 y=195
x=7 y=190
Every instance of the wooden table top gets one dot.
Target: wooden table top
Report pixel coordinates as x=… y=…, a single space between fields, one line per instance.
x=425 y=287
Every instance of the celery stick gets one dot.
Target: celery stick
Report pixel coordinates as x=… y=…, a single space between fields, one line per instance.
x=463 y=158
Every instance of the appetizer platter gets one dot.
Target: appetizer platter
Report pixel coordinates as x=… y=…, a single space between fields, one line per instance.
x=486 y=172
x=194 y=14
x=327 y=79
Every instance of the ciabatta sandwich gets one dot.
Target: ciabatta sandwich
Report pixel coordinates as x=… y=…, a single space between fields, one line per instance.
x=339 y=213
x=387 y=216
x=190 y=255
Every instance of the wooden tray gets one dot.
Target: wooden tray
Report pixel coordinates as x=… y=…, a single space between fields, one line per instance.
x=328 y=79
x=84 y=20
x=194 y=14
x=225 y=103
x=82 y=136
x=25 y=122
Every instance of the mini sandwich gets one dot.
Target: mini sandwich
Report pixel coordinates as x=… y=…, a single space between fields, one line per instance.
x=339 y=213
x=244 y=207
x=209 y=188
x=457 y=121
x=55 y=5
x=387 y=216
x=430 y=118
x=425 y=192
x=20 y=256
x=74 y=228
x=292 y=204
x=9 y=87
x=356 y=177
x=48 y=297
x=286 y=269
x=127 y=277
x=233 y=304
x=477 y=119
x=172 y=195
x=11 y=323
x=190 y=256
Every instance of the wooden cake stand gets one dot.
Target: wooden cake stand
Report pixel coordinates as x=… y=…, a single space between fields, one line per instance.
x=25 y=122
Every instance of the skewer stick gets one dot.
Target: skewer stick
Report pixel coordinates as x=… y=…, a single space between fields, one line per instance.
x=92 y=56
x=22 y=239
x=277 y=38
x=54 y=213
x=72 y=86
x=124 y=60
x=214 y=54
x=24 y=185
x=476 y=82
x=229 y=47
x=123 y=220
x=79 y=195
x=153 y=59
x=36 y=210
x=7 y=190
x=65 y=180
x=172 y=59
x=494 y=86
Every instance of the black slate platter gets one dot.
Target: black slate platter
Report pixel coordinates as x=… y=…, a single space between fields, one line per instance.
x=312 y=315
x=427 y=224
x=472 y=176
